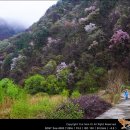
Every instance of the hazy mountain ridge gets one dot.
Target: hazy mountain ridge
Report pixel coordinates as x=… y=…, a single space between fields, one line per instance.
x=7 y=29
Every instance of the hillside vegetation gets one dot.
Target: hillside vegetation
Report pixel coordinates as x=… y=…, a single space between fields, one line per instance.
x=78 y=47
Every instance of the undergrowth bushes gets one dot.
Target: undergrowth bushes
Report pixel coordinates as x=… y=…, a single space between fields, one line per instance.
x=44 y=106
x=92 y=80
x=92 y=106
x=38 y=83
x=35 y=84
x=36 y=107
x=67 y=111
x=75 y=94
x=67 y=105
x=9 y=89
x=117 y=82
x=21 y=110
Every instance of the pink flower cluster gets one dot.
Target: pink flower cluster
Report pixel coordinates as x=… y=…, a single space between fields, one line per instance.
x=119 y=36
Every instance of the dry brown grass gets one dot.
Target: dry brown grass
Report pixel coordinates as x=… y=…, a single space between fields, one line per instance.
x=116 y=78
x=5 y=108
x=34 y=100
x=56 y=99
x=39 y=105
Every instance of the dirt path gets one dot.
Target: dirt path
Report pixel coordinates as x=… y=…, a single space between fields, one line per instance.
x=121 y=110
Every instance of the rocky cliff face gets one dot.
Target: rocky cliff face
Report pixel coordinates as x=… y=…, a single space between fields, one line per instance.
x=83 y=34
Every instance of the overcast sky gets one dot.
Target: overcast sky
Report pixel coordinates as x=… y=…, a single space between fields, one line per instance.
x=24 y=12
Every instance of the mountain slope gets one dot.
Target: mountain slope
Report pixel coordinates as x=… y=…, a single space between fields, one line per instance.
x=7 y=30
x=87 y=37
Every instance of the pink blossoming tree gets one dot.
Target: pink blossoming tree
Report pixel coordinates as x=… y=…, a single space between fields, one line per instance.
x=118 y=38
x=120 y=48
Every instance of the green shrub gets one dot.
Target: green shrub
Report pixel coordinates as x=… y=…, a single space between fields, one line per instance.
x=63 y=74
x=35 y=84
x=49 y=67
x=67 y=111
x=63 y=77
x=3 y=45
x=40 y=35
x=75 y=94
x=62 y=84
x=23 y=109
x=97 y=34
x=92 y=80
x=95 y=17
x=38 y=83
x=6 y=63
x=43 y=108
x=92 y=90
x=58 y=59
x=51 y=64
x=1 y=94
x=22 y=94
x=52 y=85
x=65 y=93
x=79 y=74
x=124 y=87
x=116 y=98
x=97 y=71
x=5 y=83
x=87 y=83
x=106 y=6
x=23 y=40
x=9 y=88
x=20 y=110
x=12 y=91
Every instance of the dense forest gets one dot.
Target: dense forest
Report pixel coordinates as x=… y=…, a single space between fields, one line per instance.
x=75 y=60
